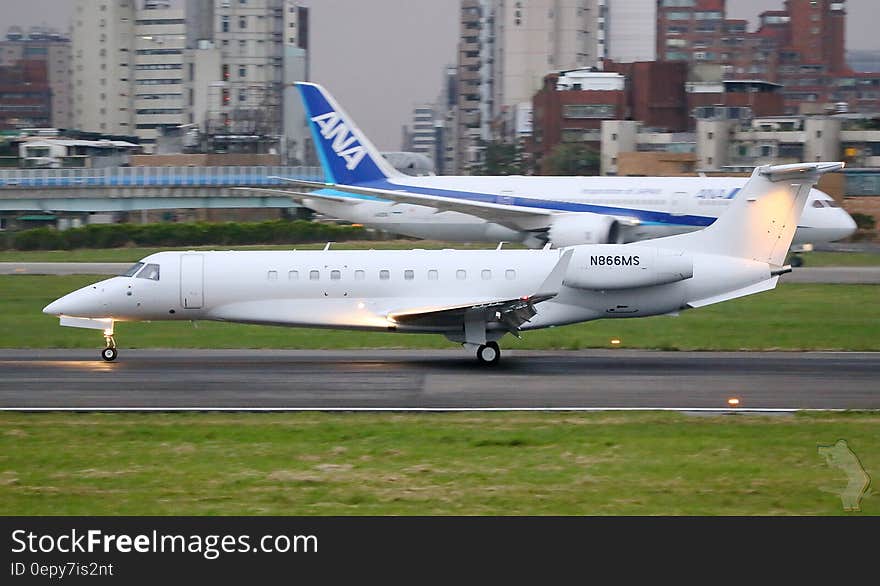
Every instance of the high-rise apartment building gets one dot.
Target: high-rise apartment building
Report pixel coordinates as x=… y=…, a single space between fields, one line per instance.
x=534 y=37
x=241 y=60
x=159 y=93
x=473 y=82
x=631 y=30
x=25 y=97
x=802 y=48
x=103 y=66
x=422 y=135
x=152 y=67
x=506 y=48
x=53 y=49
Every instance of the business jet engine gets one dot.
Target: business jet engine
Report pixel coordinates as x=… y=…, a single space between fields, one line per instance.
x=584 y=228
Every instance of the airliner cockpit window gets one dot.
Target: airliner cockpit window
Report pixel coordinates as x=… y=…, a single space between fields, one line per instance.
x=817 y=203
x=150 y=272
x=134 y=269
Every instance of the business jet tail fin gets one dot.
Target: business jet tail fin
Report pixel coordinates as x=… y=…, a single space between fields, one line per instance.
x=763 y=217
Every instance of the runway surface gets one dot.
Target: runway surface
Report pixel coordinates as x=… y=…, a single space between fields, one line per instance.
x=437 y=379
x=852 y=275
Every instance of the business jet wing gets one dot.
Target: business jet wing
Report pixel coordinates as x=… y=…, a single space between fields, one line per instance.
x=511 y=313
x=513 y=217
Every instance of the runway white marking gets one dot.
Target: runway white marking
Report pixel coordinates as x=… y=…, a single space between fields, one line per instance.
x=424 y=409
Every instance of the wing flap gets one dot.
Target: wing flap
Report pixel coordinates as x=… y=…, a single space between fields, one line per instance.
x=511 y=313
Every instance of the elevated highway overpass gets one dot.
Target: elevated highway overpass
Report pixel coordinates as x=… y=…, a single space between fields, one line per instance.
x=123 y=189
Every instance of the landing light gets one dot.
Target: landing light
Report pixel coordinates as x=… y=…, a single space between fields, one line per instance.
x=615 y=341
x=733 y=402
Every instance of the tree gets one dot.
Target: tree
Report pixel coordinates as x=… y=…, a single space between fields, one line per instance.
x=571 y=159
x=501 y=159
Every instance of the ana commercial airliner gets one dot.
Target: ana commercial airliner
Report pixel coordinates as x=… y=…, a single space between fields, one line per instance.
x=362 y=187
x=471 y=297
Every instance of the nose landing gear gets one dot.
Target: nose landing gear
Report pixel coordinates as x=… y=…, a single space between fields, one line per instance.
x=109 y=353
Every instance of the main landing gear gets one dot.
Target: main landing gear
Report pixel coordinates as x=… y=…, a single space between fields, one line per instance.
x=489 y=353
x=109 y=353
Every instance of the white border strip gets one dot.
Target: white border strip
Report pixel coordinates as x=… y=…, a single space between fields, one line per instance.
x=427 y=409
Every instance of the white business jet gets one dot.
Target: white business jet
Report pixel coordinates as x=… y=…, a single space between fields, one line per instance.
x=471 y=297
x=362 y=187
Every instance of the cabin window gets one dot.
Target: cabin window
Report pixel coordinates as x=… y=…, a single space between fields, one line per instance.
x=409 y=274
x=293 y=276
x=150 y=272
x=510 y=274
x=486 y=274
x=335 y=275
x=314 y=276
x=433 y=275
x=461 y=274
x=273 y=275
x=384 y=275
x=359 y=275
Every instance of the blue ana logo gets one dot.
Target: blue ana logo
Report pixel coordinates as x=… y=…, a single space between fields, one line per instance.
x=716 y=194
x=344 y=143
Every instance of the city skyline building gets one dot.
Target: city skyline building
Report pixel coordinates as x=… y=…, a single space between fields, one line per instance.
x=52 y=48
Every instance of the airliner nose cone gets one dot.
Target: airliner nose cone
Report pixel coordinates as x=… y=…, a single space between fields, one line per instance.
x=850 y=226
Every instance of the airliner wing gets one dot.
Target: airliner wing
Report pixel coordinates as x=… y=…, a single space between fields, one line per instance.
x=513 y=217
x=299 y=196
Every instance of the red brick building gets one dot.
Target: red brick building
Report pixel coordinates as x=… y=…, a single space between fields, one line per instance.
x=802 y=48
x=733 y=100
x=25 y=95
x=571 y=109
x=656 y=92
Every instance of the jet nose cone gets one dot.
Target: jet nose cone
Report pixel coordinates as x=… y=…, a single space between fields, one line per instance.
x=53 y=308
x=82 y=303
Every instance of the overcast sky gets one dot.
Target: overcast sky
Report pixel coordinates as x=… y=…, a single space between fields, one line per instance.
x=381 y=57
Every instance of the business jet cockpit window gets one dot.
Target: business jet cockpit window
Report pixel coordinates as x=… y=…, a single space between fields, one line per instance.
x=151 y=272
x=134 y=269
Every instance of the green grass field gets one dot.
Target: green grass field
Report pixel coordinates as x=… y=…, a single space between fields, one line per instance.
x=466 y=464
x=812 y=259
x=841 y=259
x=829 y=317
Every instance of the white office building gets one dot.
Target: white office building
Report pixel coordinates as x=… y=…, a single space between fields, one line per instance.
x=631 y=30
x=535 y=37
x=103 y=66
x=159 y=89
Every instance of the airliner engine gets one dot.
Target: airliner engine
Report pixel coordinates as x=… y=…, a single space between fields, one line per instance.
x=584 y=228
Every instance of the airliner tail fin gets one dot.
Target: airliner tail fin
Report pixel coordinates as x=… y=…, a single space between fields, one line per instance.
x=347 y=156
